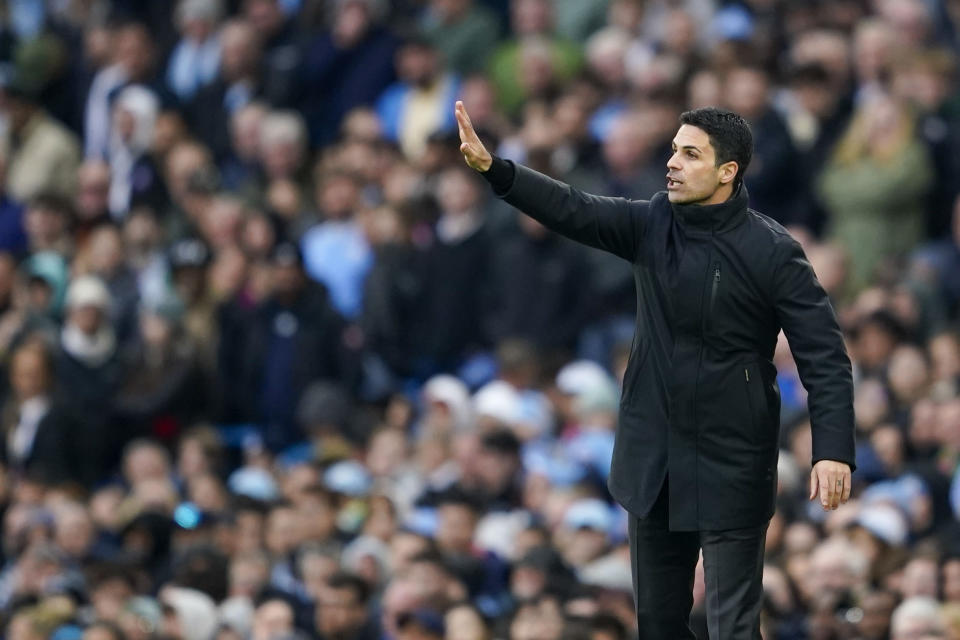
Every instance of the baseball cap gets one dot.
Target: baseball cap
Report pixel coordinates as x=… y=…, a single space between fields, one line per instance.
x=188 y=252
x=88 y=291
x=581 y=376
x=348 y=477
x=589 y=513
x=884 y=521
x=427 y=619
x=253 y=482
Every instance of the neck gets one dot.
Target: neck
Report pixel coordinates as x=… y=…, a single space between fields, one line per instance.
x=722 y=194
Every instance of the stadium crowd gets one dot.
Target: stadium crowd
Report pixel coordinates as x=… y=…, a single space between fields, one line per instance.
x=277 y=365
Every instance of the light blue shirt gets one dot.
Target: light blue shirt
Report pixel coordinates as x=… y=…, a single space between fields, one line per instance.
x=193 y=66
x=337 y=254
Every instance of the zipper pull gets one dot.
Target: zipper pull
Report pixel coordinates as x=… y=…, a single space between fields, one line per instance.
x=746 y=372
x=716 y=274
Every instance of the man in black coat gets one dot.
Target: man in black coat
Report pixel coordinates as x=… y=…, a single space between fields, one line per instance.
x=695 y=457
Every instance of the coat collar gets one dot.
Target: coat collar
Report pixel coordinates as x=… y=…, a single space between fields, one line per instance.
x=714 y=217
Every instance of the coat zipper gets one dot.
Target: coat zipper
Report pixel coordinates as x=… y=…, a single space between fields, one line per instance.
x=714 y=287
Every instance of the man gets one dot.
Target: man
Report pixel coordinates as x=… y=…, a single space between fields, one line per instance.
x=341 y=609
x=696 y=445
x=42 y=155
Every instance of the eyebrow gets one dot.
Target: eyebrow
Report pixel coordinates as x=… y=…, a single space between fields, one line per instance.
x=689 y=146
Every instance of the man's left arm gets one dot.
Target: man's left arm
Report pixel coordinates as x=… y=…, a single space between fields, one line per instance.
x=810 y=324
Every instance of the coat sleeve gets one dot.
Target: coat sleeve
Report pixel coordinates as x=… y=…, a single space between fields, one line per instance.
x=808 y=320
x=611 y=224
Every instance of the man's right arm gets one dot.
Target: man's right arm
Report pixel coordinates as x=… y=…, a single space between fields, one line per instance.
x=611 y=224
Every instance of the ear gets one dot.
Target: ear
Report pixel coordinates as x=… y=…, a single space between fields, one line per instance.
x=728 y=171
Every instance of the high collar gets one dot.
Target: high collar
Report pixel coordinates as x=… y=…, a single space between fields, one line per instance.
x=714 y=217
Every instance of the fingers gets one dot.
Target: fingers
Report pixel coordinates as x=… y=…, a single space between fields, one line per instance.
x=835 y=481
x=846 y=486
x=467 y=134
x=828 y=484
x=824 y=484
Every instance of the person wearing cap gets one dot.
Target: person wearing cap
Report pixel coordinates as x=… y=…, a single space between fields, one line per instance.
x=695 y=453
x=294 y=337
x=420 y=624
x=89 y=370
x=166 y=389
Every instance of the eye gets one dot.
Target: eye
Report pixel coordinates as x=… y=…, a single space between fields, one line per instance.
x=691 y=154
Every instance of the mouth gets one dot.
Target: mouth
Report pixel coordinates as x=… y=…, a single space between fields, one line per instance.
x=672 y=183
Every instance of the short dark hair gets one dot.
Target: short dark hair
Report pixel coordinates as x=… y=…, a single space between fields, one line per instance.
x=353 y=582
x=729 y=134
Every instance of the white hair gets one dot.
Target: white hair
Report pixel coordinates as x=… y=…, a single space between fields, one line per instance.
x=209 y=10
x=840 y=548
x=918 y=610
x=608 y=41
x=283 y=127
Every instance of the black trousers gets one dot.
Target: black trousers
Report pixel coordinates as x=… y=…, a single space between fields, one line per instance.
x=664 y=561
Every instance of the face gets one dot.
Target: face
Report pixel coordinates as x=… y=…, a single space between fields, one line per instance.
x=29 y=376
x=272 y=619
x=338 y=611
x=951 y=580
x=455 y=527
x=135 y=50
x=87 y=318
x=693 y=176
x=282 y=534
x=93 y=185
x=248 y=575
x=464 y=623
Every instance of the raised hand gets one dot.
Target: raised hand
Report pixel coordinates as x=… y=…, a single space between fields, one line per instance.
x=474 y=153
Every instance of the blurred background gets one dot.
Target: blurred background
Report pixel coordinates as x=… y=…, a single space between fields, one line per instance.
x=276 y=365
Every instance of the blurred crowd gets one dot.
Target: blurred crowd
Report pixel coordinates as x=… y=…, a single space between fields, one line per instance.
x=276 y=364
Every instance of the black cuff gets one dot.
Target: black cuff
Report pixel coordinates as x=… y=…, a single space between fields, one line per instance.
x=500 y=175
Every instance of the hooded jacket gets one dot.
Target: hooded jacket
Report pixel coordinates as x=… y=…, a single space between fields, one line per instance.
x=700 y=403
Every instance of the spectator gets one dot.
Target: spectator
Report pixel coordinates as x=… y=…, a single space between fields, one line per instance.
x=341 y=610
x=336 y=252
x=297 y=318
x=871 y=199
x=531 y=21
x=89 y=371
x=195 y=60
x=12 y=237
x=41 y=154
x=420 y=103
x=462 y=31
x=134 y=176
x=37 y=432
x=349 y=65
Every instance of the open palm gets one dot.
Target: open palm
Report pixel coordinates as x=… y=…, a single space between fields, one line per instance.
x=474 y=153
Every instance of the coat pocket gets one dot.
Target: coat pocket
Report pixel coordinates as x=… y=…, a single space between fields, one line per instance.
x=757 y=403
x=638 y=359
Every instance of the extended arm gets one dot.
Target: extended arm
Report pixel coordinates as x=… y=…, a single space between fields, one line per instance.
x=809 y=322
x=611 y=224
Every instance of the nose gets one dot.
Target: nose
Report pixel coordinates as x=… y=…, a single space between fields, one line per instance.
x=673 y=164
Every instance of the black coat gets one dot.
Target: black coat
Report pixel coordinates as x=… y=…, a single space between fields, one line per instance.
x=278 y=350
x=549 y=272
x=52 y=454
x=715 y=284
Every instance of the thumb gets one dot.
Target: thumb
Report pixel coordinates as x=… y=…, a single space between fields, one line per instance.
x=814 y=484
